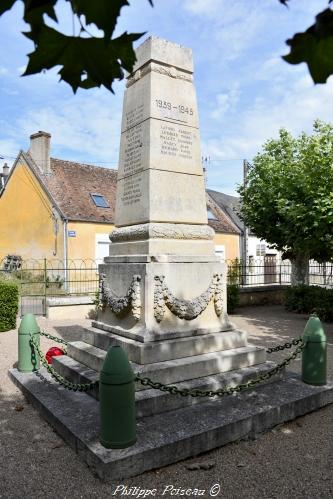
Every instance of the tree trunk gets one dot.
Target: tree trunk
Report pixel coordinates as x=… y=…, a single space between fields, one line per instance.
x=299 y=270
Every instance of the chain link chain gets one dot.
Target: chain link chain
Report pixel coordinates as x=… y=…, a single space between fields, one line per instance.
x=221 y=392
x=54 y=338
x=174 y=390
x=79 y=387
x=279 y=348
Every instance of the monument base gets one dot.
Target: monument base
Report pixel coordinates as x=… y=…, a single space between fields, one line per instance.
x=169 y=437
x=163 y=298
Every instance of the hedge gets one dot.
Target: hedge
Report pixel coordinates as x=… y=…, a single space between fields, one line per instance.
x=9 y=295
x=232 y=297
x=310 y=299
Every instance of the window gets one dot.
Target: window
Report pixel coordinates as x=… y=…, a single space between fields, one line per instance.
x=100 y=201
x=261 y=249
x=210 y=215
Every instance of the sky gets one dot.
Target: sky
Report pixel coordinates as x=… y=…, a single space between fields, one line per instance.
x=245 y=91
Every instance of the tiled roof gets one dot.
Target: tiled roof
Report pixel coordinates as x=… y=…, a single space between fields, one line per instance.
x=223 y=224
x=71 y=185
x=229 y=205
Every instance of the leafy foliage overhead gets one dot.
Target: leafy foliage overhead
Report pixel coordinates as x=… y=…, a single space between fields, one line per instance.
x=90 y=61
x=86 y=61
x=288 y=200
x=314 y=46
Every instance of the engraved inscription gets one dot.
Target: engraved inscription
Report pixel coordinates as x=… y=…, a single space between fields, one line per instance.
x=169 y=105
x=174 y=111
x=134 y=115
x=176 y=141
x=133 y=150
x=132 y=191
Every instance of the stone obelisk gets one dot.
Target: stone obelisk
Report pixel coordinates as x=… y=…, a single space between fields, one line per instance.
x=162 y=286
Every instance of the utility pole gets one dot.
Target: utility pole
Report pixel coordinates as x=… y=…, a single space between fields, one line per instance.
x=205 y=163
x=246 y=231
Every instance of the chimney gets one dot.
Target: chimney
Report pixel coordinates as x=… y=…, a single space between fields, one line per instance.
x=4 y=175
x=40 y=150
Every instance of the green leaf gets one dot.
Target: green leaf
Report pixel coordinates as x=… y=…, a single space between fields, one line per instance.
x=85 y=62
x=103 y=13
x=34 y=11
x=314 y=47
x=6 y=5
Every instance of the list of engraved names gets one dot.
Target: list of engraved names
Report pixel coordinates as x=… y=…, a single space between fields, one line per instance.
x=176 y=141
x=132 y=192
x=133 y=150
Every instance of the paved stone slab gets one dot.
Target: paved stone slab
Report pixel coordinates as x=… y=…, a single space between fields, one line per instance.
x=175 y=435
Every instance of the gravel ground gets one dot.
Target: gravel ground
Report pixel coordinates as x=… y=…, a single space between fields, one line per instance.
x=293 y=460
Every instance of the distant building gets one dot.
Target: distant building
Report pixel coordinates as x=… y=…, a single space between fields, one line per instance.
x=56 y=209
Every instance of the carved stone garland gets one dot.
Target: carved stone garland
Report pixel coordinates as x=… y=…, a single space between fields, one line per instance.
x=121 y=305
x=187 y=309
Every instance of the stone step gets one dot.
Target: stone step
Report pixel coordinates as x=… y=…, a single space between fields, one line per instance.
x=175 y=435
x=158 y=351
x=150 y=401
x=76 y=372
x=176 y=370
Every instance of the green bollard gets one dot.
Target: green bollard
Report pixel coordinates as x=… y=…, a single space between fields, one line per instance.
x=117 y=401
x=314 y=354
x=27 y=361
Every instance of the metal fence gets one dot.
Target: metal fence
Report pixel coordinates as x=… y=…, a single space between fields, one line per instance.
x=270 y=270
x=39 y=280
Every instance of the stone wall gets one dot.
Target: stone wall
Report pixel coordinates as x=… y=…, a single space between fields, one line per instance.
x=262 y=295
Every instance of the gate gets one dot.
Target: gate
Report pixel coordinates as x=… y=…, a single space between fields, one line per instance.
x=39 y=280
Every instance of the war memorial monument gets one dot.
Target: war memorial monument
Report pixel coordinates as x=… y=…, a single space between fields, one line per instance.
x=163 y=297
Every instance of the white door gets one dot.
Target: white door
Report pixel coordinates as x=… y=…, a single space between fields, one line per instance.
x=220 y=251
x=102 y=244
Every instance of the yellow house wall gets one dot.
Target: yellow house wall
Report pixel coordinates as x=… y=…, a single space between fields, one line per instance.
x=83 y=245
x=26 y=224
x=231 y=244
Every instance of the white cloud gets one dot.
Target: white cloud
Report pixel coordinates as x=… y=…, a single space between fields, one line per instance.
x=9 y=149
x=81 y=129
x=295 y=110
x=226 y=101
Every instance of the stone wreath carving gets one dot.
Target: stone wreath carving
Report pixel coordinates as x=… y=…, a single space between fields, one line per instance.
x=159 y=68
x=151 y=230
x=187 y=309
x=123 y=304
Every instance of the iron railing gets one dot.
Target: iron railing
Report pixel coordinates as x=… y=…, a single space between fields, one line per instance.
x=41 y=279
x=269 y=270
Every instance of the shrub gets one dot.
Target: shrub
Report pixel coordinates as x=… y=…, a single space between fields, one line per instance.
x=232 y=297
x=310 y=299
x=234 y=271
x=8 y=305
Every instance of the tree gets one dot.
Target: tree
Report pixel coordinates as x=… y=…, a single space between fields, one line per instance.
x=288 y=198
x=314 y=46
x=89 y=61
